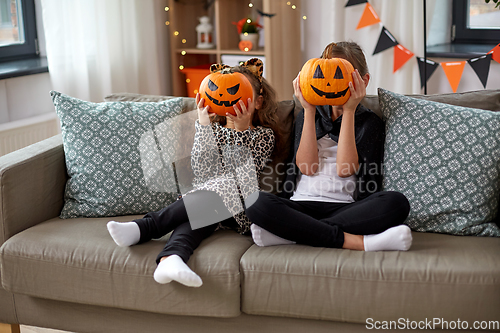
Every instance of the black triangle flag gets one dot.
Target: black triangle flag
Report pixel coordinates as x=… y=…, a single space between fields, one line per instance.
x=481 y=66
x=385 y=41
x=429 y=69
x=355 y=2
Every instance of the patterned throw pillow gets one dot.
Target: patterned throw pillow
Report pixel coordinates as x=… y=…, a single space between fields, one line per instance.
x=103 y=158
x=446 y=160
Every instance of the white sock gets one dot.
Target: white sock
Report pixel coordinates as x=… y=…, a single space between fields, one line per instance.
x=173 y=268
x=124 y=233
x=397 y=238
x=262 y=237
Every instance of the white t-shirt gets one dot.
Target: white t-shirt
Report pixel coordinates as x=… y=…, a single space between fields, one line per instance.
x=325 y=185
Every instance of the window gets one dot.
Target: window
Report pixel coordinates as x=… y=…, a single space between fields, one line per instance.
x=18 y=38
x=475 y=21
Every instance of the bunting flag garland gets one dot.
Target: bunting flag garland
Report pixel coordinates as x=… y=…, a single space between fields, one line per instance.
x=453 y=70
x=481 y=66
x=495 y=53
x=369 y=17
x=430 y=67
x=385 y=40
x=355 y=2
x=401 y=56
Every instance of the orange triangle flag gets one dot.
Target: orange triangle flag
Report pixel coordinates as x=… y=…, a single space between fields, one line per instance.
x=401 y=56
x=453 y=71
x=369 y=17
x=495 y=53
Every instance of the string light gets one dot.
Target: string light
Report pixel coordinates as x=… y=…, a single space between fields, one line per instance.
x=250 y=4
x=188 y=80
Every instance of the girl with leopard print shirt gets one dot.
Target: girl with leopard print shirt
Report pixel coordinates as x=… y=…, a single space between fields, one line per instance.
x=228 y=155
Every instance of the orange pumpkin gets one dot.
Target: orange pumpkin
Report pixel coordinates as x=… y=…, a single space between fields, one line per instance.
x=221 y=90
x=326 y=81
x=245 y=45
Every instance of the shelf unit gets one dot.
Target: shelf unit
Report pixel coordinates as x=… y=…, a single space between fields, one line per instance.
x=282 y=51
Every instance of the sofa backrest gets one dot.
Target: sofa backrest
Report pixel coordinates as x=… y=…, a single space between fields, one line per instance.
x=274 y=174
x=480 y=99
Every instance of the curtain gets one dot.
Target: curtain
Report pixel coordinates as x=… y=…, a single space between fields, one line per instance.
x=95 y=47
x=331 y=21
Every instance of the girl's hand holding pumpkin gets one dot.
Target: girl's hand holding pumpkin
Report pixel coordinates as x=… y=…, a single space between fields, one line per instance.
x=204 y=114
x=243 y=119
x=358 y=92
x=298 y=93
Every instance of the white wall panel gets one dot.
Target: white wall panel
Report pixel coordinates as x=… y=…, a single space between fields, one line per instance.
x=4 y=106
x=28 y=96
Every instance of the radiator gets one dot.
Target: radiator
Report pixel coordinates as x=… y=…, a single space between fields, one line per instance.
x=21 y=133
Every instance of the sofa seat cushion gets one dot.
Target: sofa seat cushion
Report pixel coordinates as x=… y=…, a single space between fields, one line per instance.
x=77 y=261
x=441 y=276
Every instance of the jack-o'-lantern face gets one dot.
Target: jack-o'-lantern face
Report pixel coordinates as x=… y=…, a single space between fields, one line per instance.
x=222 y=90
x=326 y=81
x=245 y=45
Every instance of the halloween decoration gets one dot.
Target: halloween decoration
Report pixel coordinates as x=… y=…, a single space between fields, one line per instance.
x=222 y=89
x=245 y=45
x=326 y=81
x=261 y=13
x=204 y=33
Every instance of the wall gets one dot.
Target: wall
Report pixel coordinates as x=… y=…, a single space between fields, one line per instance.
x=319 y=18
x=325 y=18
x=27 y=96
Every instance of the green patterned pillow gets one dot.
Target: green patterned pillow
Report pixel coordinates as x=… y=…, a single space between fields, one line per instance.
x=446 y=160
x=101 y=145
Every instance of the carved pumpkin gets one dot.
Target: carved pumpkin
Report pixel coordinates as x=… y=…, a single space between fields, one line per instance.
x=326 y=81
x=221 y=90
x=245 y=45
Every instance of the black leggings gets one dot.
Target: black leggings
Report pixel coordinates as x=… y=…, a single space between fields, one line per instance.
x=174 y=217
x=323 y=224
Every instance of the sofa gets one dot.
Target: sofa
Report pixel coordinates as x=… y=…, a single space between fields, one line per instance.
x=68 y=274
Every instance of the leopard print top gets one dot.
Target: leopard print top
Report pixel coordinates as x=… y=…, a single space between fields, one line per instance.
x=230 y=162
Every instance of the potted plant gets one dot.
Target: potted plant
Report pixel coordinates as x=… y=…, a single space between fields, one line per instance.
x=248 y=30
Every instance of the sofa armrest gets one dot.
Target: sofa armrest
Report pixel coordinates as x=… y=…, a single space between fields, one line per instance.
x=32 y=182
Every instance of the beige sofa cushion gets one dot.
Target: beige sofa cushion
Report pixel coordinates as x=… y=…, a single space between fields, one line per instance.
x=442 y=276
x=77 y=261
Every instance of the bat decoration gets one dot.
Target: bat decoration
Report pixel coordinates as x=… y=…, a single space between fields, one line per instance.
x=261 y=13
